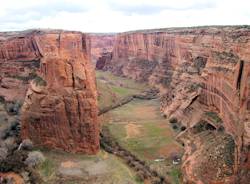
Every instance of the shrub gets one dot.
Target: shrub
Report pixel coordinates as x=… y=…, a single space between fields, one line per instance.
x=214 y=116
x=12 y=130
x=10 y=143
x=3 y=153
x=47 y=168
x=13 y=162
x=139 y=176
x=39 y=81
x=2 y=100
x=229 y=152
x=200 y=63
x=34 y=159
x=173 y=120
x=175 y=174
x=7 y=180
x=13 y=107
x=183 y=128
x=175 y=127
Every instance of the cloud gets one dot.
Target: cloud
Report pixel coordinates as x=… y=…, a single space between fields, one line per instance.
x=29 y=11
x=149 y=8
x=120 y=15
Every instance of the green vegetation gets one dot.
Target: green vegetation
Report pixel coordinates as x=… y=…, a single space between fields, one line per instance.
x=112 y=88
x=137 y=126
x=173 y=120
x=39 y=81
x=194 y=87
x=31 y=63
x=30 y=76
x=2 y=100
x=229 y=151
x=145 y=145
x=121 y=91
x=152 y=132
x=47 y=168
x=14 y=107
x=200 y=63
x=175 y=174
x=214 y=116
x=102 y=168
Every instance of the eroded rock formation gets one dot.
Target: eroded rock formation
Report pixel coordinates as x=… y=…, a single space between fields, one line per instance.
x=51 y=74
x=199 y=71
x=101 y=44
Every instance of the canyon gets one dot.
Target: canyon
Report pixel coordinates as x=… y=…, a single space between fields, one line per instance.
x=203 y=76
x=49 y=74
x=101 y=44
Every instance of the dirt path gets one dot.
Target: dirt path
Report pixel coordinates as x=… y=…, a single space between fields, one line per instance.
x=132 y=130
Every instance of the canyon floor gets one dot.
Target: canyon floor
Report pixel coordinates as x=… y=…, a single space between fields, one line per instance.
x=137 y=126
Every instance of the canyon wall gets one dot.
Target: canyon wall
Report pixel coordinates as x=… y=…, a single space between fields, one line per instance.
x=50 y=73
x=101 y=44
x=200 y=72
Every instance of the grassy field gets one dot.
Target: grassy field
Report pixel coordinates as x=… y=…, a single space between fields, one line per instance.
x=111 y=88
x=139 y=127
x=61 y=167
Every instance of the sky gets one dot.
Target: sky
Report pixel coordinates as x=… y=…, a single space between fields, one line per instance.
x=120 y=15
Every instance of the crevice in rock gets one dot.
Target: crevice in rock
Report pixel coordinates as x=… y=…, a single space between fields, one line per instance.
x=36 y=48
x=78 y=108
x=72 y=74
x=59 y=41
x=240 y=74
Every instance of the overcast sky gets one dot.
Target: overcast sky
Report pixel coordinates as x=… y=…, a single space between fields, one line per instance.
x=120 y=15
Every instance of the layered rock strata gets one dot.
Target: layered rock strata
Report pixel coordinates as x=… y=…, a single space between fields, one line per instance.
x=199 y=71
x=51 y=73
x=101 y=44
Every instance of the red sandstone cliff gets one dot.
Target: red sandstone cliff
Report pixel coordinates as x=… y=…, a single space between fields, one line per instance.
x=199 y=71
x=101 y=43
x=51 y=72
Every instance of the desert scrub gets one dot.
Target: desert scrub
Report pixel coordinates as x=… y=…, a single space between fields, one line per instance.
x=173 y=120
x=39 y=81
x=200 y=63
x=229 y=151
x=47 y=168
x=193 y=87
x=214 y=116
x=175 y=174
x=34 y=159
x=13 y=108
x=24 y=78
x=2 y=100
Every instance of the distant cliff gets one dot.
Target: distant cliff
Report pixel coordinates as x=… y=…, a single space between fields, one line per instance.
x=101 y=44
x=203 y=75
x=51 y=73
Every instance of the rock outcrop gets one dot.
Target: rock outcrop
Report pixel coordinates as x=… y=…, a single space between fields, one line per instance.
x=101 y=61
x=199 y=71
x=51 y=74
x=101 y=44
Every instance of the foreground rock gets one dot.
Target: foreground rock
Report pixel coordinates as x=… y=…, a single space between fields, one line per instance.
x=199 y=72
x=50 y=73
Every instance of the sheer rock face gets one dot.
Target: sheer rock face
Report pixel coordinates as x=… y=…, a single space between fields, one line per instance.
x=197 y=70
x=52 y=73
x=101 y=44
x=101 y=62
